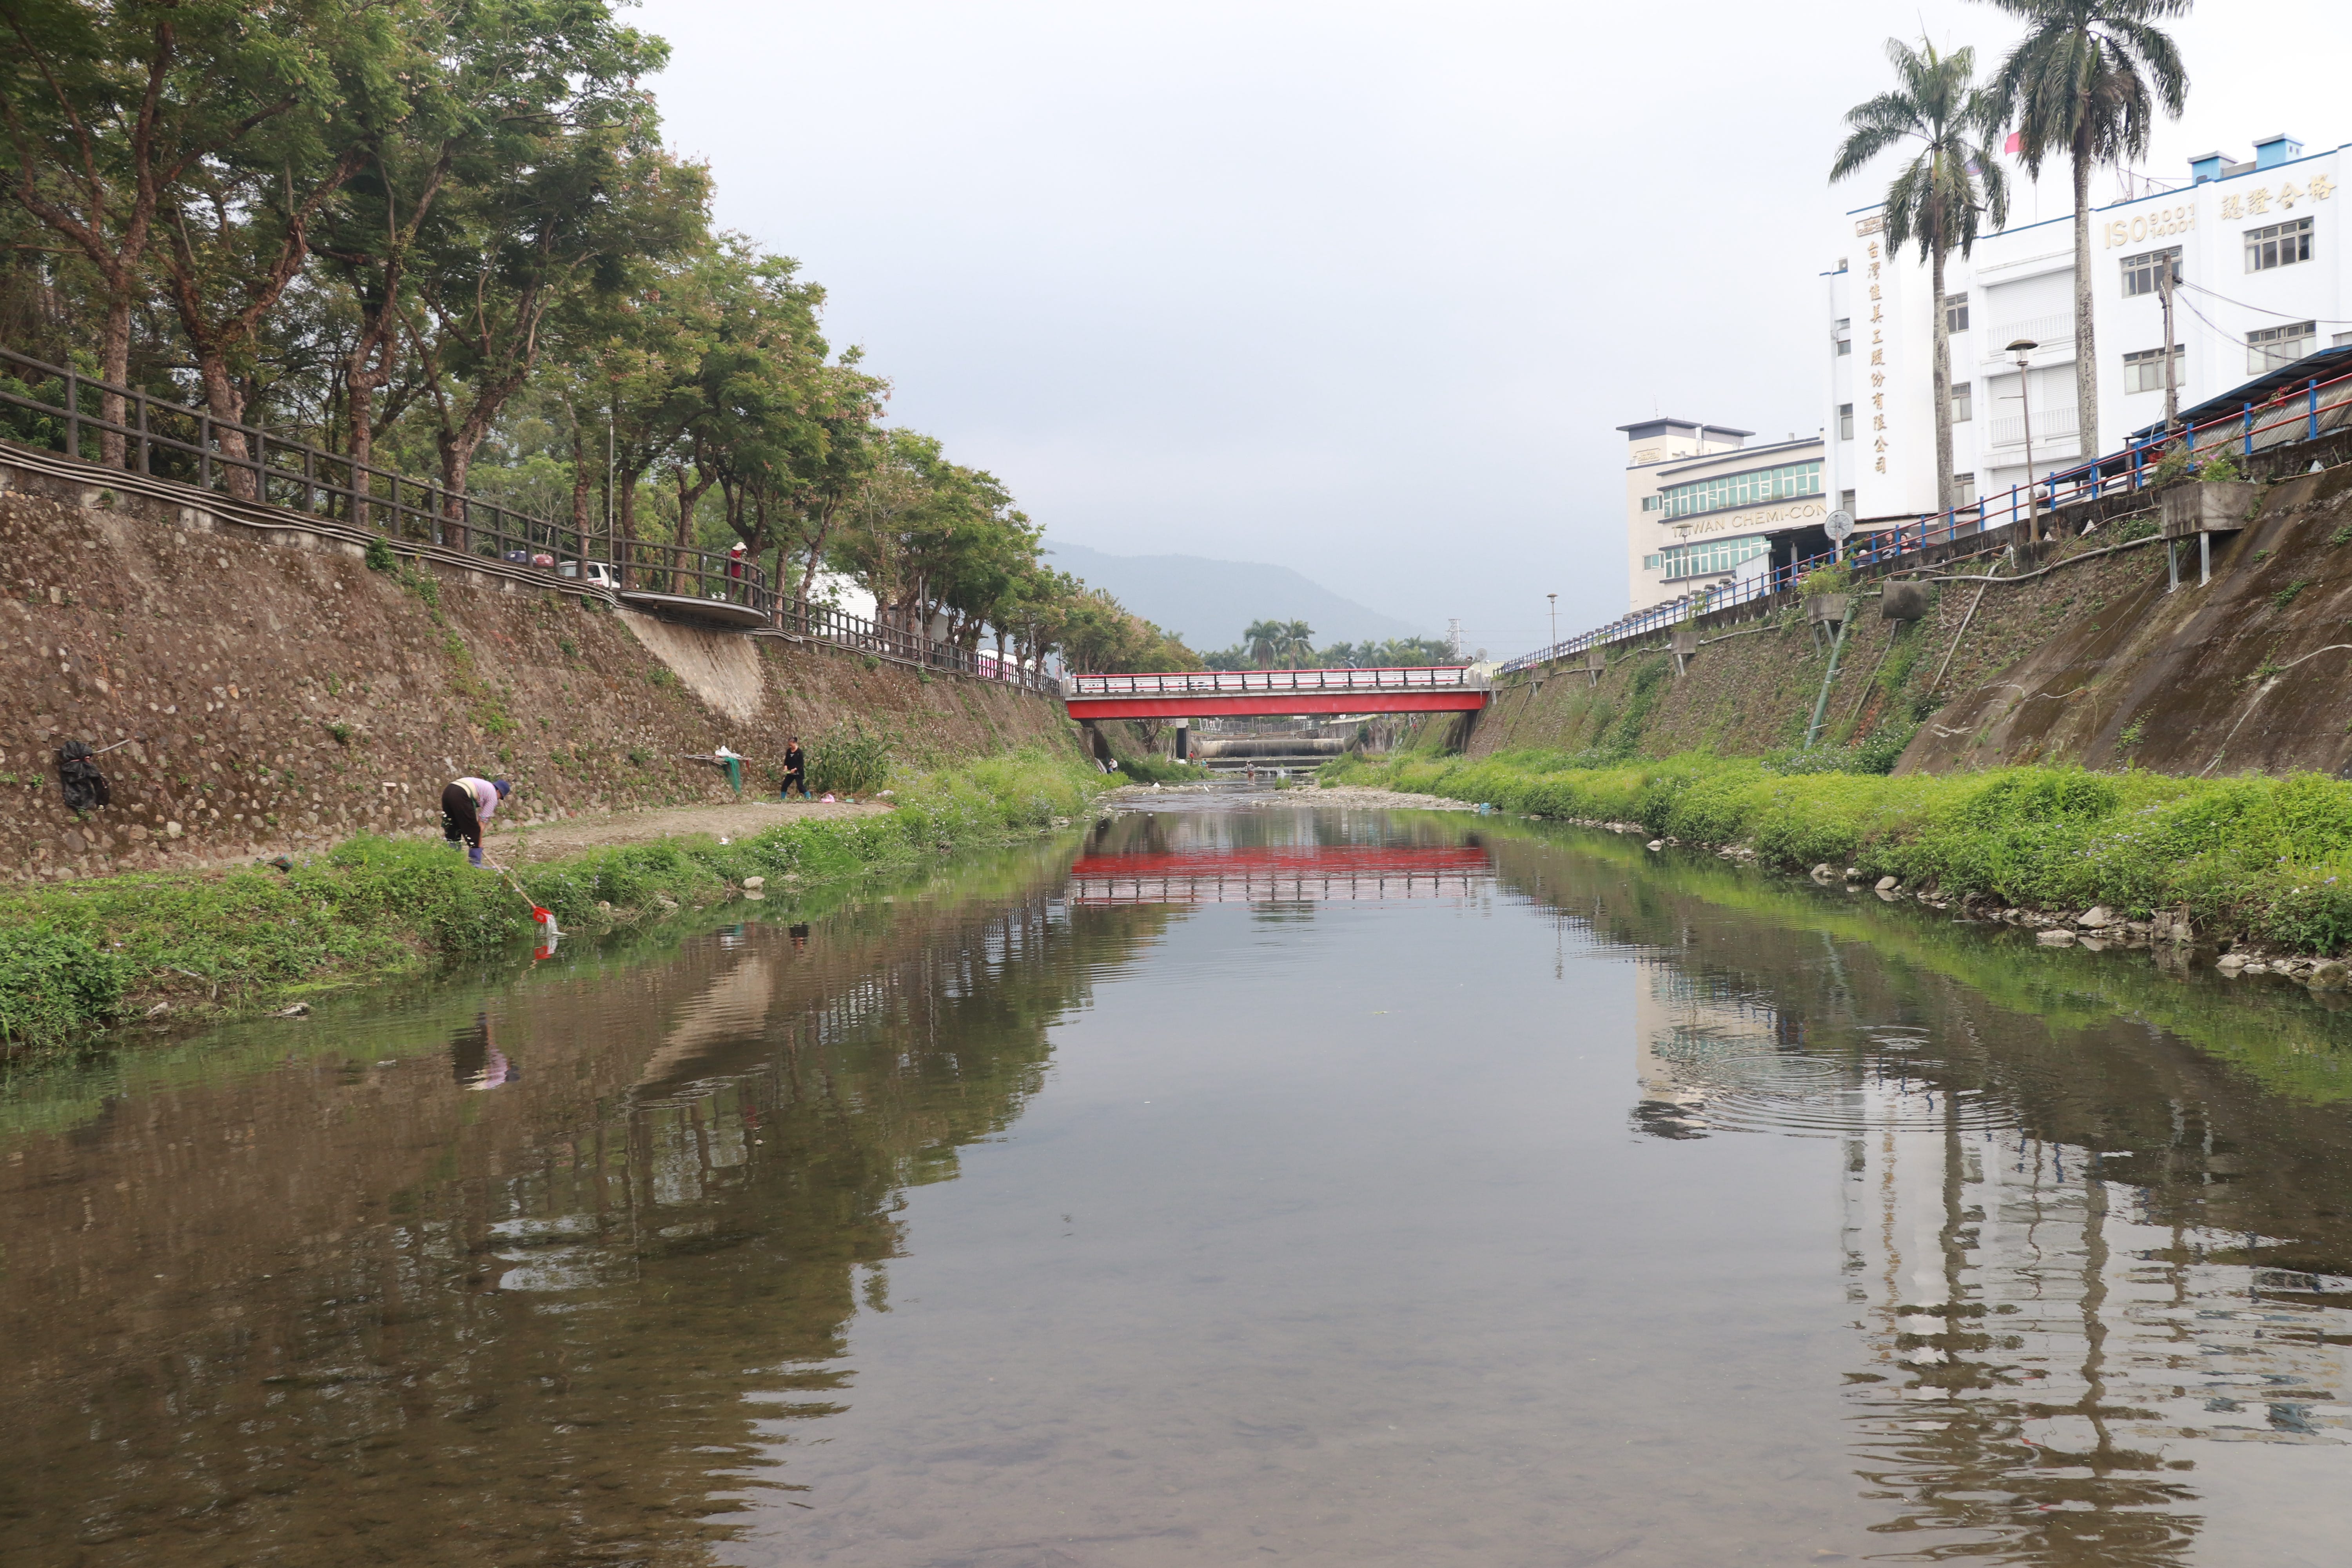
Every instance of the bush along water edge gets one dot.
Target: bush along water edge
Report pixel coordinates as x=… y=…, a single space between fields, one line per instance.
x=75 y=957
x=2251 y=861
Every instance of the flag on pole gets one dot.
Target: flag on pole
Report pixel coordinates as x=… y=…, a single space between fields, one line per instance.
x=2016 y=140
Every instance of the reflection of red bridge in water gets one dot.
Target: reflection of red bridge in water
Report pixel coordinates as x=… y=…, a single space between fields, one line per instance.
x=1279 y=876
x=1211 y=693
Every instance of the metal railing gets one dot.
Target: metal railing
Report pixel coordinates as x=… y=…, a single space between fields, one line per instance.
x=884 y=638
x=60 y=409
x=1191 y=682
x=2293 y=415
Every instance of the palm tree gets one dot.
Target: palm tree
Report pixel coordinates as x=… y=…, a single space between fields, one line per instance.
x=1264 y=641
x=1298 y=644
x=2085 y=79
x=1939 y=196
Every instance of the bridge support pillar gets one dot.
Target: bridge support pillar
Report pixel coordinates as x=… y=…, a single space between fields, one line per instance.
x=1184 y=730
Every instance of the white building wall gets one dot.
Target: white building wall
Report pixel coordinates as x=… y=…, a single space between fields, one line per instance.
x=2019 y=283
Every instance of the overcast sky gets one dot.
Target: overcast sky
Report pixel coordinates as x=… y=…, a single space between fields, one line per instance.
x=1357 y=288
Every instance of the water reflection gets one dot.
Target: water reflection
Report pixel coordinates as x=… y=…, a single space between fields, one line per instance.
x=2062 y=1322
x=1355 y=1187
x=475 y=1059
x=350 y=1308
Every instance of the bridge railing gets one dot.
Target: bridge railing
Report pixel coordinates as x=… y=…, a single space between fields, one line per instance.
x=2293 y=415
x=1281 y=682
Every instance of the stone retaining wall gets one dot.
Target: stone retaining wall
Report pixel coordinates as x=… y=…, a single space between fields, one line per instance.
x=269 y=693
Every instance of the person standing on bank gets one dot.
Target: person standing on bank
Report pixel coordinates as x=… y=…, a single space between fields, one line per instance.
x=466 y=805
x=796 y=769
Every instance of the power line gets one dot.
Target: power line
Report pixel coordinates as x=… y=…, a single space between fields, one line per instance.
x=2264 y=310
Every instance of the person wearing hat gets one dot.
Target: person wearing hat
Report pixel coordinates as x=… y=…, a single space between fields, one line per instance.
x=466 y=805
x=736 y=559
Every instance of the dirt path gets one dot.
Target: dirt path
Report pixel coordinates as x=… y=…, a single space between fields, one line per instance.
x=523 y=844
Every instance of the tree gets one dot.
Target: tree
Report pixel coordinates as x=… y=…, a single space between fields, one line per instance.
x=2086 y=78
x=1937 y=197
x=540 y=255
x=115 y=112
x=1298 y=643
x=1265 y=640
x=506 y=78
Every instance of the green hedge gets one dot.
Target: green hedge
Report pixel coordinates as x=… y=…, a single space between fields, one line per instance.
x=2267 y=857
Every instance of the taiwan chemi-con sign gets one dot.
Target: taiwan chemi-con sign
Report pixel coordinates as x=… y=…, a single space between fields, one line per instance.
x=1786 y=514
x=2260 y=202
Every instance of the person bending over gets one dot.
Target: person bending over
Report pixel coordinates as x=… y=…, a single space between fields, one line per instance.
x=466 y=805
x=795 y=769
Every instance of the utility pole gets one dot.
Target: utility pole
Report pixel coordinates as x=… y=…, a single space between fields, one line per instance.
x=2164 y=281
x=1555 y=618
x=1454 y=637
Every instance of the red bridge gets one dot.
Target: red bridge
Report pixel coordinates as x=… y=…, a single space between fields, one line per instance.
x=1218 y=693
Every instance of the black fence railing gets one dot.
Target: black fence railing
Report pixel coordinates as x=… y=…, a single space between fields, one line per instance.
x=62 y=410
x=887 y=640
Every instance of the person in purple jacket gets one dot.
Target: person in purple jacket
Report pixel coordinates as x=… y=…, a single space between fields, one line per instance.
x=466 y=805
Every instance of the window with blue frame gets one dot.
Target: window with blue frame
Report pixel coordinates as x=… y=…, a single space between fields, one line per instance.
x=1707 y=557
x=1742 y=489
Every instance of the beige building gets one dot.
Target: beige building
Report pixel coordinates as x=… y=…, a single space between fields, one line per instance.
x=1704 y=509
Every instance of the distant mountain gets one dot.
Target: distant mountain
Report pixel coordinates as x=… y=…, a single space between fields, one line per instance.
x=1210 y=601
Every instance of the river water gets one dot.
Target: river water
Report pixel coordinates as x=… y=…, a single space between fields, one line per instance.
x=1243 y=1183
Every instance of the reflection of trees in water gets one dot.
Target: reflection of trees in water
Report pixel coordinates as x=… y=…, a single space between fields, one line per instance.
x=559 y=1322
x=2080 y=1256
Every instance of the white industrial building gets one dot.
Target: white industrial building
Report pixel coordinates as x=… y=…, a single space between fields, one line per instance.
x=2263 y=263
x=1704 y=508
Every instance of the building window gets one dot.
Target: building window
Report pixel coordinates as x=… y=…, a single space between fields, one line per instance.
x=1964 y=401
x=2267 y=348
x=2280 y=244
x=1649 y=503
x=1845 y=502
x=1709 y=557
x=1652 y=562
x=1845 y=421
x=1743 y=489
x=2143 y=272
x=1956 y=313
x=2144 y=371
x=1964 y=490
x=1843 y=335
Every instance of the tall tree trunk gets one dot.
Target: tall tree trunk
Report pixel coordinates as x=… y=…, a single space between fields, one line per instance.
x=815 y=556
x=226 y=406
x=2086 y=348
x=114 y=366
x=626 y=549
x=579 y=479
x=1943 y=388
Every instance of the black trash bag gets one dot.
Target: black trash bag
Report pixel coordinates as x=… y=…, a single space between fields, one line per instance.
x=85 y=785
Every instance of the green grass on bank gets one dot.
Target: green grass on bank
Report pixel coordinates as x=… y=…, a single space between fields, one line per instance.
x=2260 y=857
x=74 y=956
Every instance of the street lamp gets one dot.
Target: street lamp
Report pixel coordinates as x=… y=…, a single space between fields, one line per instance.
x=1555 y=618
x=2022 y=348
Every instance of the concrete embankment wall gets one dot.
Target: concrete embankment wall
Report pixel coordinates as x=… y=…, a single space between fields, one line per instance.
x=2086 y=658
x=276 y=695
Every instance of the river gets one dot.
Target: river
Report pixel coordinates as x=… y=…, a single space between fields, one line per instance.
x=1244 y=1182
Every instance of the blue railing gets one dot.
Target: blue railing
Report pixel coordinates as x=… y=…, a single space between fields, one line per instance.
x=2294 y=414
